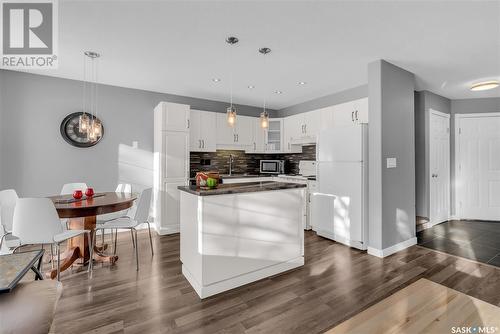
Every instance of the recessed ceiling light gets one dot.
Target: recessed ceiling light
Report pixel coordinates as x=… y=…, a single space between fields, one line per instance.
x=485 y=85
x=215 y=79
x=302 y=82
x=251 y=87
x=278 y=92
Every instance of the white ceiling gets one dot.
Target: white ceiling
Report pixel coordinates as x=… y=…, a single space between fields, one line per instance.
x=178 y=47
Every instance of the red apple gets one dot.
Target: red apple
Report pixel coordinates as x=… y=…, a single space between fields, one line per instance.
x=89 y=192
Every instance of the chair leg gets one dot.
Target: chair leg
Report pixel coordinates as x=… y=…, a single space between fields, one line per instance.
x=58 y=262
x=91 y=248
x=136 y=251
x=150 y=239
x=116 y=237
x=132 y=235
x=52 y=256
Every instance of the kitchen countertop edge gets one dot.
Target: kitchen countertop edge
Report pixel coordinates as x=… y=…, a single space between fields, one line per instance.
x=238 y=188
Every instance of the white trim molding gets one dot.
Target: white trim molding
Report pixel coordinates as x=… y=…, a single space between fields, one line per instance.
x=393 y=249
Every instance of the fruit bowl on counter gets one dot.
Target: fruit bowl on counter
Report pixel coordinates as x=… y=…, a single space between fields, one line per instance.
x=207 y=180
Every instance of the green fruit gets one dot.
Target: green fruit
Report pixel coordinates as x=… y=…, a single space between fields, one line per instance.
x=211 y=182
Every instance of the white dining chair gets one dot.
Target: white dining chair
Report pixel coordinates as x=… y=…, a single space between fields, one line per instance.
x=121 y=188
x=69 y=188
x=141 y=216
x=8 y=200
x=36 y=223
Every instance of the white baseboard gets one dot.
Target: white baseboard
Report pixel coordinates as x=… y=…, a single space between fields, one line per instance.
x=228 y=284
x=171 y=229
x=393 y=249
x=337 y=238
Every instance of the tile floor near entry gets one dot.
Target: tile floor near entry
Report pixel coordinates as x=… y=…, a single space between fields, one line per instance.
x=475 y=240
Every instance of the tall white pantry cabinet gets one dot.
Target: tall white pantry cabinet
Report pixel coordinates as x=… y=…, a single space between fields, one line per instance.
x=171 y=163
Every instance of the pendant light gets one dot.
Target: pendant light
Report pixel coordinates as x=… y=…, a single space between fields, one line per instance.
x=88 y=120
x=231 y=110
x=264 y=115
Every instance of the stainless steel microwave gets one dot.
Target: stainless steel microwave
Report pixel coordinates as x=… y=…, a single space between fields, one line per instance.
x=272 y=166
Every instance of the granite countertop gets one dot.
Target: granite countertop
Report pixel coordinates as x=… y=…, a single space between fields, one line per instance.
x=236 y=188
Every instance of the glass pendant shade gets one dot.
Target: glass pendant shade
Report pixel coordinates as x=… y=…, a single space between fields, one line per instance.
x=231 y=116
x=97 y=128
x=264 y=120
x=84 y=123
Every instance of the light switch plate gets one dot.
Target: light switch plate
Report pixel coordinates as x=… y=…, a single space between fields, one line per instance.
x=391 y=162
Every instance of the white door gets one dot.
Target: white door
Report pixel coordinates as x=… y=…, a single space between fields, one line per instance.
x=294 y=127
x=259 y=137
x=176 y=155
x=244 y=130
x=175 y=116
x=208 y=133
x=312 y=123
x=478 y=166
x=194 y=131
x=439 y=166
x=225 y=133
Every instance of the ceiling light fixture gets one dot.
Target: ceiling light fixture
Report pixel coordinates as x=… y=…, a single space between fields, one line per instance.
x=251 y=87
x=302 y=82
x=215 y=79
x=88 y=122
x=231 y=110
x=264 y=115
x=485 y=85
x=278 y=92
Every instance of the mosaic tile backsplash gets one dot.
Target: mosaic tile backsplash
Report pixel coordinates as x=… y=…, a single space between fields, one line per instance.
x=246 y=163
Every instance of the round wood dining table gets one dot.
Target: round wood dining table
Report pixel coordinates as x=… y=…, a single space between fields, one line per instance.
x=81 y=215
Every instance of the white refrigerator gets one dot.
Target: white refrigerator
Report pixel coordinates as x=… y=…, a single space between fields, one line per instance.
x=340 y=205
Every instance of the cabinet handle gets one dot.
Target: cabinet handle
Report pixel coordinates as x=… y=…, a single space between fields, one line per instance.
x=199 y=143
x=237 y=137
x=352 y=116
x=203 y=143
x=254 y=146
x=305 y=128
x=357 y=115
x=188 y=124
x=234 y=138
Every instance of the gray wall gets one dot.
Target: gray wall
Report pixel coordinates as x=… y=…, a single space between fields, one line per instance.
x=424 y=102
x=391 y=191
x=325 y=101
x=36 y=161
x=467 y=106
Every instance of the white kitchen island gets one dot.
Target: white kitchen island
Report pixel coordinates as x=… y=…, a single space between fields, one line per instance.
x=240 y=233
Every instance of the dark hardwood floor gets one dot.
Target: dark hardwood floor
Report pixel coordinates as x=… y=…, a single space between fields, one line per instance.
x=336 y=283
x=475 y=240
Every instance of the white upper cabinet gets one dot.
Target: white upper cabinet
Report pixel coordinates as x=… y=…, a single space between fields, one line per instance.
x=302 y=128
x=225 y=135
x=326 y=118
x=172 y=116
x=238 y=137
x=351 y=112
x=259 y=138
x=202 y=132
x=244 y=130
x=274 y=135
x=312 y=124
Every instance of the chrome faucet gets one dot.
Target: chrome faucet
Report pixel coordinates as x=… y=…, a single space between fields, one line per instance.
x=231 y=161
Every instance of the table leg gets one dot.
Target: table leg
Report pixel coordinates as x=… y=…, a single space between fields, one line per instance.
x=78 y=248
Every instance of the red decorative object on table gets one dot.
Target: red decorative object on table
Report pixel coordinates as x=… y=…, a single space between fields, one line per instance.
x=89 y=192
x=77 y=194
